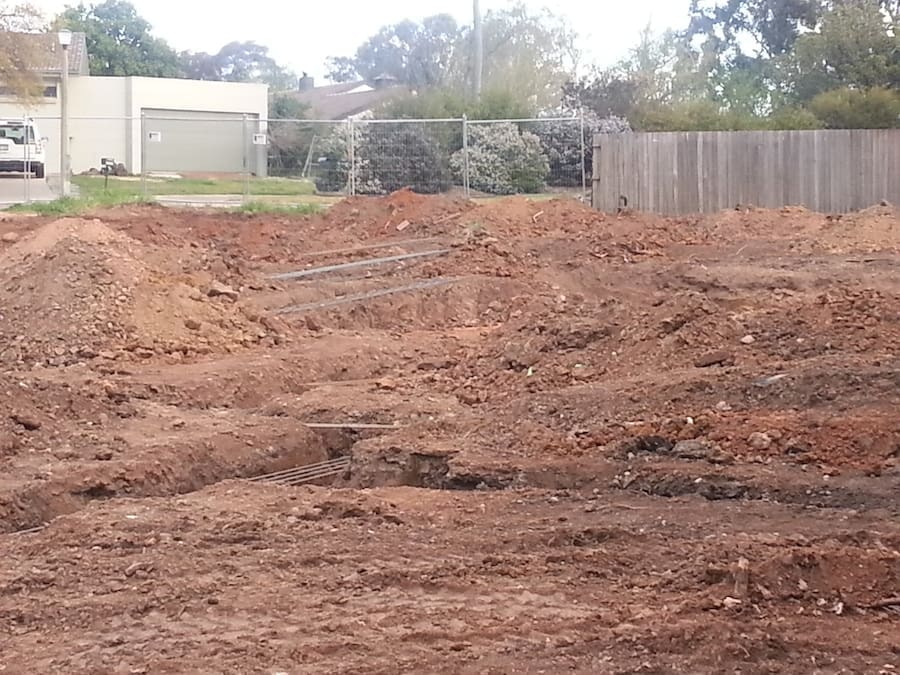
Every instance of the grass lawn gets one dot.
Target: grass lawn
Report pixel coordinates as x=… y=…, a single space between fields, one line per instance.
x=273 y=195
x=94 y=185
x=306 y=209
x=74 y=206
x=267 y=195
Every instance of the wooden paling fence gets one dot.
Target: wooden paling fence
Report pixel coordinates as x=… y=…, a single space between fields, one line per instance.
x=674 y=173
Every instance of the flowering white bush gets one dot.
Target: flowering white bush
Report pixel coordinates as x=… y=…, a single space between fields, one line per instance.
x=333 y=162
x=561 y=142
x=503 y=160
x=387 y=157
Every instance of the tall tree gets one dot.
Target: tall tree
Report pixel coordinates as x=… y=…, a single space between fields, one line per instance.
x=18 y=53
x=774 y=25
x=418 y=55
x=856 y=46
x=658 y=71
x=529 y=52
x=237 y=62
x=120 y=41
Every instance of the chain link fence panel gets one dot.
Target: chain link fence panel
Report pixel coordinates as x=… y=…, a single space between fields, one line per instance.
x=315 y=153
x=473 y=157
x=392 y=154
x=231 y=159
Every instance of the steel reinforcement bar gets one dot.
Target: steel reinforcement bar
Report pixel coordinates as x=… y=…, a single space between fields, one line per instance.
x=358 y=297
x=302 y=474
x=369 y=262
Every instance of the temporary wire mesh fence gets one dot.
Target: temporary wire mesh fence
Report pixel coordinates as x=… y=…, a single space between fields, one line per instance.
x=234 y=158
x=456 y=156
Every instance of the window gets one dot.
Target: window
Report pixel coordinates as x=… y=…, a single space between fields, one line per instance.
x=16 y=133
x=50 y=91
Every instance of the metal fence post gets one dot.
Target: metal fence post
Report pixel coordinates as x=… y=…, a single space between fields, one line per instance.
x=27 y=175
x=583 y=159
x=143 y=154
x=465 y=122
x=246 y=195
x=352 y=157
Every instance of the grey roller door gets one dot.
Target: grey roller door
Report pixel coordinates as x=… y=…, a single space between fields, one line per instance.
x=197 y=141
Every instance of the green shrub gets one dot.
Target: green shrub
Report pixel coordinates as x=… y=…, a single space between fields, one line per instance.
x=405 y=154
x=387 y=157
x=435 y=104
x=503 y=160
x=876 y=108
x=561 y=142
x=331 y=162
x=794 y=118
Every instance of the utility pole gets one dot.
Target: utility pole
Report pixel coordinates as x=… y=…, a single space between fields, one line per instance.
x=478 y=37
x=65 y=40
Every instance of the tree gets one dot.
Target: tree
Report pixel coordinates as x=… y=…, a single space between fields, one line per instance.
x=526 y=53
x=529 y=53
x=119 y=41
x=605 y=92
x=660 y=71
x=286 y=107
x=417 y=55
x=855 y=46
x=773 y=25
x=876 y=108
x=446 y=103
x=237 y=62
x=19 y=53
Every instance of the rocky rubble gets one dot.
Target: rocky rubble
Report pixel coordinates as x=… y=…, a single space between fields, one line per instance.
x=76 y=290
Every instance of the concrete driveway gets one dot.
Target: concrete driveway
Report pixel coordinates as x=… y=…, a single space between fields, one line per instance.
x=14 y=190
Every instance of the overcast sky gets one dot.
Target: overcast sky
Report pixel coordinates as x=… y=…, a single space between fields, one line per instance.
x=302 y=39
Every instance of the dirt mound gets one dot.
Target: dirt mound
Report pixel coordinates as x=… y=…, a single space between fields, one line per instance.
x=76 y=290
x=251 y=237
x=522 y=216
x=870 y=230
x=41 y=416
x=401 y=211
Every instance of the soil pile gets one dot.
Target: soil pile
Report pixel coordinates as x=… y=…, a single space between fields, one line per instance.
x=77 y=290
x=401 y=211
x=870 y=230
x=37 y=415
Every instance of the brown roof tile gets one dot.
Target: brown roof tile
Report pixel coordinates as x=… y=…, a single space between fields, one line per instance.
x=46 y=46
x=338 y=101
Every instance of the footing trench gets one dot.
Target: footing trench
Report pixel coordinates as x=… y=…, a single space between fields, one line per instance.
x=306 y=474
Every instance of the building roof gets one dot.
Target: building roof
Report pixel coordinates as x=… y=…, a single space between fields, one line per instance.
x=340 y=101
x=48 y=53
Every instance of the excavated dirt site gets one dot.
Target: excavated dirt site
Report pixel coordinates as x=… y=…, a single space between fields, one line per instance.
x=538 y=439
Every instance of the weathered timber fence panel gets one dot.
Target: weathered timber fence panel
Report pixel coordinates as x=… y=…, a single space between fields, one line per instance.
x=689 y=172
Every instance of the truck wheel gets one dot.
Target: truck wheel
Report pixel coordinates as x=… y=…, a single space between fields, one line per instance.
x=38 y=170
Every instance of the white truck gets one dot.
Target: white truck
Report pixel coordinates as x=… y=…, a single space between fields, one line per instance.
x=22 y=149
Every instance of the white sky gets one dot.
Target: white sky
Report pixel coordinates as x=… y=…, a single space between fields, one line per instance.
x=302 y=35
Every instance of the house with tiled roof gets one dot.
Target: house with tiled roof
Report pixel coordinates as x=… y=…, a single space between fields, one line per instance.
x=347 y=99
x=47 y=58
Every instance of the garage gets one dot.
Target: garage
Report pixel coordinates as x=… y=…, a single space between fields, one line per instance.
x=198 y=124
x=199 y=141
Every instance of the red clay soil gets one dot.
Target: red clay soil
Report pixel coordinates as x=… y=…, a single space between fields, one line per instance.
x=612 y=443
